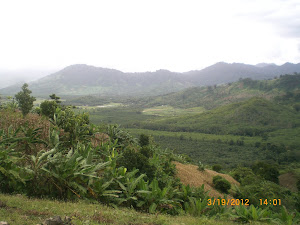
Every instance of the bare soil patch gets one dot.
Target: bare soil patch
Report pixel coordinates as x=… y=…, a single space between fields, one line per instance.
x=189 y=174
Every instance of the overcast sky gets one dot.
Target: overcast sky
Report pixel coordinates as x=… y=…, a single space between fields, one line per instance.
x=140 y=35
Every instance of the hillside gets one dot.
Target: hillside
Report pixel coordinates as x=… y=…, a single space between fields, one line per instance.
x=221 y=72
x=284 y=89
x=85 y=80
x=190 y=175
x=68 y=160
x=89 y=80
x=252 y=117
x=212 y=96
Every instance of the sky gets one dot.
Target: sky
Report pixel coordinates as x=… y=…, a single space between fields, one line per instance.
x=147 y=35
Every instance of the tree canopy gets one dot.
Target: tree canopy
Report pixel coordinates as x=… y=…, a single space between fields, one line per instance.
x=25 y=100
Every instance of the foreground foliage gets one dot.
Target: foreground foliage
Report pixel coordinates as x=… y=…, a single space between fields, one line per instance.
x=68 y=158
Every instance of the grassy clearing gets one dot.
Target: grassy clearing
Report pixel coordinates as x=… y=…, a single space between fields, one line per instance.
x=166 y=110
x=20 y=210
x=118 y=115
x=109 y=105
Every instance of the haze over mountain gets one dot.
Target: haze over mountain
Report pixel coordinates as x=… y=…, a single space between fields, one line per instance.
x=82 y=79
x=12 y=77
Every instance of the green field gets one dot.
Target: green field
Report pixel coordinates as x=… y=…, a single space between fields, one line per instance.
x=170 y=111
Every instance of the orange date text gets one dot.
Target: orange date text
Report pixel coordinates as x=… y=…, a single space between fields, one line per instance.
x=229 y=202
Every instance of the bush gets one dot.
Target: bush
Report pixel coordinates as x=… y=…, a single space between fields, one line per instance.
x=144 y=140
x=240 y=173
x=48 y=108
x=131 y=159
x=215 y=178
x=221 y=184
x=267 y=171
x=146 y=151
x=201 y=166
x=217 y=167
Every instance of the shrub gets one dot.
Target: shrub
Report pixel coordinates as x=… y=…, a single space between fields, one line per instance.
x=131 y=159
x=144 y=140
x=267 y=171
x=201 y=166
x=217 y=167
x=215 y=178
x=240 y=173
x=48 y=108
x=221 y=184
x=146 y=151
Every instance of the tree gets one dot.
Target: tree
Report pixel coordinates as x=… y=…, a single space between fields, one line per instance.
x=55 y=98
x=24 y=99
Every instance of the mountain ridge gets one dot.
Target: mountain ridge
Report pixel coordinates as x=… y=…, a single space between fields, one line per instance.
x=82 y=79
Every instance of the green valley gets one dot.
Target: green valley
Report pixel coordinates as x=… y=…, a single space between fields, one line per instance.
x=131 y=152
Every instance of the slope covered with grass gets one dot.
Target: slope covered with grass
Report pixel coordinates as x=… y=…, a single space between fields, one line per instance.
x=20 y=210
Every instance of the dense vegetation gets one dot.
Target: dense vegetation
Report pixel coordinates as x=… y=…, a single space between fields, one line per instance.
x=56 y=152
x=262 y=119
x=70 y=159
x=209 y=97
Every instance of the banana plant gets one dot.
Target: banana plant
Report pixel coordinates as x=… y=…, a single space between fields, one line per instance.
x=122 y=137
x=10 y=178
x=156 y=199
x=31 y=138
x=128 y=185
x=103 y=192
x=53 y=138
x=252 y=213
x=196 y=207
x=9 y=136
x=73 y=173
x=77 y=126
x=34 y=173
x=287 y=218
x=27 y=141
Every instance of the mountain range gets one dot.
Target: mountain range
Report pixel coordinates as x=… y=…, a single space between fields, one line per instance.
x=81 y=79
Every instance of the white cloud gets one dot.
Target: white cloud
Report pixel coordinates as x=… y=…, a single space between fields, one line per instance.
x=140 y=35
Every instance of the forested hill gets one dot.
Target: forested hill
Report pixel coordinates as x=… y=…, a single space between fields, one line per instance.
x=224 y=72
x=285 y=89
x=89 y=80
x=85 y=80
x=248 y=118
